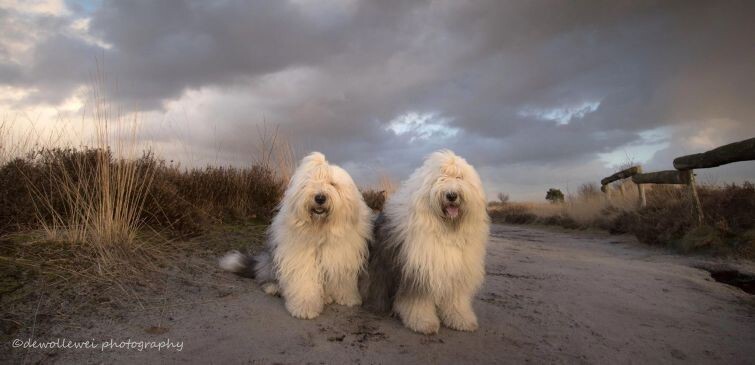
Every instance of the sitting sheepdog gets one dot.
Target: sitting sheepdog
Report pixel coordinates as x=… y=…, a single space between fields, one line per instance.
x=317 y=242
x=427 y=257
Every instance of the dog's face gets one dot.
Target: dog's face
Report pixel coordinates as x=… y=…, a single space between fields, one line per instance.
x=453 y=193
x=448 y=193
x=320 y=192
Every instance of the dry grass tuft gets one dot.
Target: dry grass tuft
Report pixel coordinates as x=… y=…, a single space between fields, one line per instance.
x=387 y=184
x=587 y=208
x=93 y=196
x=275 y=153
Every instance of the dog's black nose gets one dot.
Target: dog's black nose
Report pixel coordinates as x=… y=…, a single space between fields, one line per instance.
x=451 y=196
x=320 y=199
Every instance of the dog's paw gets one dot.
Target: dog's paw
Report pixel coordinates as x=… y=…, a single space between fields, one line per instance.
x=304 y=310
x=350 y=300
x=460 y=317
x=328 y=299
x=270 y=289
x=427 y=327
x=427 y=323
x=462 y=324
x=418 y=315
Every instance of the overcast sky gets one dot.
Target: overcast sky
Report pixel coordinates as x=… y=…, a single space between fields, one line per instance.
x=535 y=94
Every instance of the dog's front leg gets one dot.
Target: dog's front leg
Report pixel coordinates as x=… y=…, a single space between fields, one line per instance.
x=417 y=312
x=303 y=292
x=457 y=313
x=345 y=289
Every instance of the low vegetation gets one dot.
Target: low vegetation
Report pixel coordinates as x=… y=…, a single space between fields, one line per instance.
x=75 y=194
x=667 y=219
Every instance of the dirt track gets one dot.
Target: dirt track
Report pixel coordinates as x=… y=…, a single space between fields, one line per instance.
x=549 y=297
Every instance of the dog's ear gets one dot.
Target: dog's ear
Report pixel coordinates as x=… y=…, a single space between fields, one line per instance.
x=315 y=158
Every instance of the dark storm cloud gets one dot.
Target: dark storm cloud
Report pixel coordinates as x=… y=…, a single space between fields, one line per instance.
x=169 y=46
x=523 y=83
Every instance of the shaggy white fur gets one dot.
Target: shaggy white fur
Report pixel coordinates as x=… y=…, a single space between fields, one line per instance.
x=436 y=226
x=317 y=241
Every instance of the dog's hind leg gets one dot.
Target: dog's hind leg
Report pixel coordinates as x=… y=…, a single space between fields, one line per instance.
x=264 y=273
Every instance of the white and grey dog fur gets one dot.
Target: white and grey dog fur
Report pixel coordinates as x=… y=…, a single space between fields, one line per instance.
x=317 y=242
x=428 y=255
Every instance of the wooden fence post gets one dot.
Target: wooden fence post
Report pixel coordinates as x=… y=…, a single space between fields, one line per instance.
x=697 y=209
x=623 y=174
x=641 y=190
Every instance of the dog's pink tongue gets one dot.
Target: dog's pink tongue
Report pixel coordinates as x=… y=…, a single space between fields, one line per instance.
x=452 y=212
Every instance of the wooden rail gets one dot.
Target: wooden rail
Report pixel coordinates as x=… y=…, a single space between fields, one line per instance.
x=683 y=175
x=663 y=177
x=623 y=174
x=733 y=152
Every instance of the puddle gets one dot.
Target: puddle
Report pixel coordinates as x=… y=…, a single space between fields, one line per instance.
x=734 y=278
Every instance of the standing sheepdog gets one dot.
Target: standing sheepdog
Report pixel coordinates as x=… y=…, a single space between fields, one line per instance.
x=428 y=254
x=317 y=242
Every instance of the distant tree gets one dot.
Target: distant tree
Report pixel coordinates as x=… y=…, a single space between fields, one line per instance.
x=503 y=198
x=554 y=196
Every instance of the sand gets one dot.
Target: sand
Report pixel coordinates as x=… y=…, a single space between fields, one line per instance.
x=549 y=297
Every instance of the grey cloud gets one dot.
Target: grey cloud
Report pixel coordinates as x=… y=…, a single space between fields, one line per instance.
x=476 y=65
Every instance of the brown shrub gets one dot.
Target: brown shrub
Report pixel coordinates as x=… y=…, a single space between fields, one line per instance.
x=730 y=209
x=178 y=200
x=375 y=199
x=16 y=207
x=31 y=184
x=186 y=200
x=669 y=219
x=512 y=213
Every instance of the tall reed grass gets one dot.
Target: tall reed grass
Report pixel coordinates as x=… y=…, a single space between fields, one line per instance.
x=96 y=196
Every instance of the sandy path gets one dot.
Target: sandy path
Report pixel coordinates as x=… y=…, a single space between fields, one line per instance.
x=549 y=296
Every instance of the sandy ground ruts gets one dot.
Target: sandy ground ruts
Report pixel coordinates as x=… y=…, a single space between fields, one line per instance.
x=549 y=297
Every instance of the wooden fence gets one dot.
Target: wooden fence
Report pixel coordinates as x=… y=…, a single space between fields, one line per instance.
x=684 y=174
